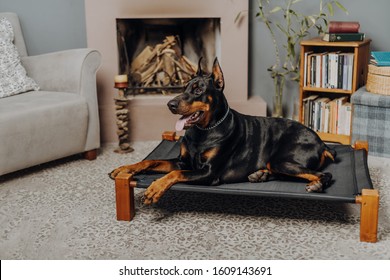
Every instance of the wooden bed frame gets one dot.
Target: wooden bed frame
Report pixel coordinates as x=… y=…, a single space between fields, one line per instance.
x=368 y=199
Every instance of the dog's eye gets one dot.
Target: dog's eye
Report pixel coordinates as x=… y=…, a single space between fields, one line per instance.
x=198 y=91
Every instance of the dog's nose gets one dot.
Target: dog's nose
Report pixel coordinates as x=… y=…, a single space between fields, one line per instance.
x=173 y=105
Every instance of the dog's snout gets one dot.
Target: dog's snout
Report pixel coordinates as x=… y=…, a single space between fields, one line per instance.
x=173 y=105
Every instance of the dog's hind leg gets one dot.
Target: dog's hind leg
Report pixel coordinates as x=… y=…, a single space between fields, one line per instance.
x=259 y=176
x=317 y=180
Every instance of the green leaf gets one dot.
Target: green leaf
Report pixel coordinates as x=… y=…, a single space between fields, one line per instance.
x=341 y=7
x=293 y=12
x=272 y=68
x=296 y=1
x=306 y=22
x=296 y=78
x=276 y=9
x=291 y=49
x=330 y=8
x=312 y=19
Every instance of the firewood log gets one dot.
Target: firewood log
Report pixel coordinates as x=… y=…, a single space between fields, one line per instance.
x=162 y=65
x=189 y=64
x=142 y=59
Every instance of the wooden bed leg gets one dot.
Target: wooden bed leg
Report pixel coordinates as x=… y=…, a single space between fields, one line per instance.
x=124 y=192
x=361 y=145
x=170 y=136
x=369 y=201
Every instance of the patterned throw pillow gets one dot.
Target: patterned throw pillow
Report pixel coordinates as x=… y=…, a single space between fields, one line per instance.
x=13 y=76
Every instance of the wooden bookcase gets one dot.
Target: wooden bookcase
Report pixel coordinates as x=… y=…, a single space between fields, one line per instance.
x=361 y=51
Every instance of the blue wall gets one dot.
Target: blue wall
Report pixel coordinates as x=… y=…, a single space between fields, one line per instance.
x=52 y=25
x=49 y=25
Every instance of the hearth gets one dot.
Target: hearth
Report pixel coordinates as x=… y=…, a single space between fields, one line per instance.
x=160 y=55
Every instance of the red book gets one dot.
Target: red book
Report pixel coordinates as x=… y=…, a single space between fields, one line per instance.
x=344 y=26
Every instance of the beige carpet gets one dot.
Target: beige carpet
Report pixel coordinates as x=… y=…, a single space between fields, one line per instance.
x=66 y=210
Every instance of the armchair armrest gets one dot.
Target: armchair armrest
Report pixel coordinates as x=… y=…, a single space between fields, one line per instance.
x=61 y=71
x=71 y=71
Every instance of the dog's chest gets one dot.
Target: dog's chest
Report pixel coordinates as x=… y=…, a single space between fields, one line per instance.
x=200 y=157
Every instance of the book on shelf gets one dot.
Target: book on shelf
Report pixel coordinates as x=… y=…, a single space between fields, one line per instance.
x=328 y=70
x=308 y=110
x=326 y=115
x=343 y=26
x=305 y=68
x=345 y=115
x=380 y=58
x=343 y=37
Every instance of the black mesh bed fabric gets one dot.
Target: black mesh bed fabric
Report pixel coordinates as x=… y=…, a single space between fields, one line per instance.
x=350 y=176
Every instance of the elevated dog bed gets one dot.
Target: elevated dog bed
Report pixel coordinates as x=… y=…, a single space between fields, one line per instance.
x=351 y=183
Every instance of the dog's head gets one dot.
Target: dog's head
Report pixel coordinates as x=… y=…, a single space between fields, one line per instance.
x=198 y=102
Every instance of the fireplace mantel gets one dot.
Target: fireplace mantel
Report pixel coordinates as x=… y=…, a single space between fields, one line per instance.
x=101 y=18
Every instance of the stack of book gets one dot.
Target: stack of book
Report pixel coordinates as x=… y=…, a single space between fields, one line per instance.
x=380 y=59
x=328 y=70
x=343 y=31
x=326 y=115
x=378 y=77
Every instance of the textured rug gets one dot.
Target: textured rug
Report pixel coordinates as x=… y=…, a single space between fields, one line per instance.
x=66 y=210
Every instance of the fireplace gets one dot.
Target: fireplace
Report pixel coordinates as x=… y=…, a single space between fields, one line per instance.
x=228 y=40
x=160 y=55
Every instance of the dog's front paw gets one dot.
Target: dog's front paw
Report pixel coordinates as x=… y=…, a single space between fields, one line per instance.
x=259 y=176
x=153 y=193
x=115 y=172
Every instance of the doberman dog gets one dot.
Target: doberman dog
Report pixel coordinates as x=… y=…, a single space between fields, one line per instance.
x=221 y=145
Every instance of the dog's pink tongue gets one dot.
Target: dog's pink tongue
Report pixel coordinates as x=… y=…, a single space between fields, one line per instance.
x=181 y=123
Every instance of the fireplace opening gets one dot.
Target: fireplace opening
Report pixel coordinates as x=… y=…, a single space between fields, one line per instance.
x=161 y=55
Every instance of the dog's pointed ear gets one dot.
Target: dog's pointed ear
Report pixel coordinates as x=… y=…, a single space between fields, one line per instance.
x=219 y=81
x=199 y=72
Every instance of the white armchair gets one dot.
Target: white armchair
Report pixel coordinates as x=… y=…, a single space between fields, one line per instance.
x=59 y=120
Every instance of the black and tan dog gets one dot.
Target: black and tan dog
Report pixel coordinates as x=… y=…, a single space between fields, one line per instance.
x=223 y=146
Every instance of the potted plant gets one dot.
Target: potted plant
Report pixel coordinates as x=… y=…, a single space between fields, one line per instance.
x=287 y=27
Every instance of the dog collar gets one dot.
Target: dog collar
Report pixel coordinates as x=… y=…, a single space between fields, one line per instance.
x=216 y=124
